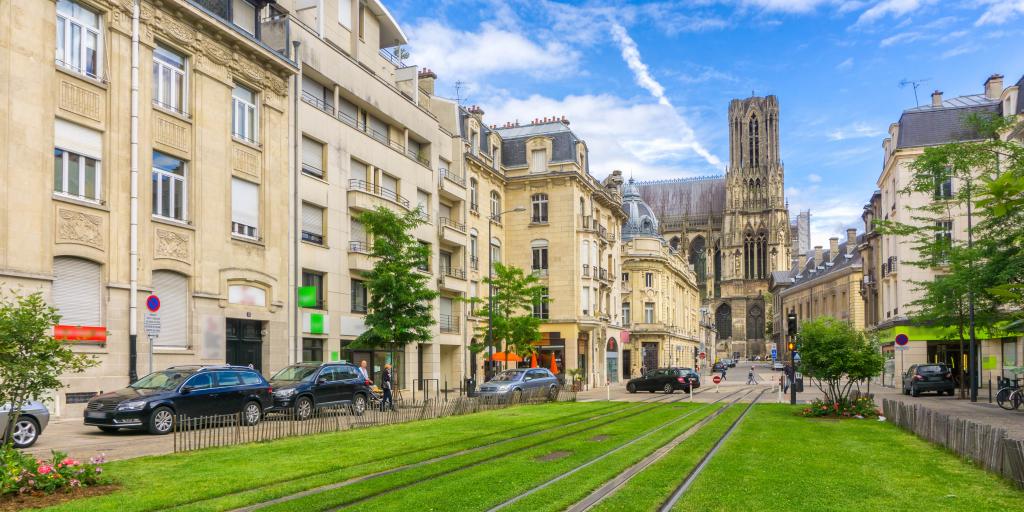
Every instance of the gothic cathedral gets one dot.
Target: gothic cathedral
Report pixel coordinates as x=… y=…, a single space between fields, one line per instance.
x=735 y=229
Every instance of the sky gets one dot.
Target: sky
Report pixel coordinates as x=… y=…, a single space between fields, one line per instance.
x=648 y=84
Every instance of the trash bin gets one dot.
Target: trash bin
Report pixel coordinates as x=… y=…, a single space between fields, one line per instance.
x=799 y=384
x=470 y=387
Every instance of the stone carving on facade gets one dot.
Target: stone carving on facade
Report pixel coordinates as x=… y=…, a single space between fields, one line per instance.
x=78 y=227
x=79 y=100
x=172 y=245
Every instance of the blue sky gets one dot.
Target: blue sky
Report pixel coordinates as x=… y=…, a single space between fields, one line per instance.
x=647 y=84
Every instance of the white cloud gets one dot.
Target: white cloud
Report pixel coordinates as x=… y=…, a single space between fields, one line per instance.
x=855 y=131
x=960 y=50
x=813 y=178
x=845 y=65
x=905 y=37
x=998 y=12
x=895 y=8
x=792 y=6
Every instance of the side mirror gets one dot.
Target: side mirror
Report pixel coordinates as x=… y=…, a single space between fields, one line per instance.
x=186 y=390
x=320 y=381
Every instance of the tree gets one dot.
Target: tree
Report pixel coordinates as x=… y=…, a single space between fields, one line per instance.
x=31 y=360
x=836 y=357
x=399 y=309
x=514 y=294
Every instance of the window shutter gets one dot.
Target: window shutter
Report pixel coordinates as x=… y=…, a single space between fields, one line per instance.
x=245 y=202
x=312 y=87
x=172 y=288
x=358 y=231
x=357 y=170
x=348 y=109
x=312 y=154
x=446 y=306
x=312 y=219
x=78 y=139
x=345 y=13
x=380 y=129
x=389 y=182
x=539 y=160
x=77 y=292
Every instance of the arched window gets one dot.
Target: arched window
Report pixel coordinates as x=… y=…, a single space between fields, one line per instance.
x=674 y=243
x=723 y=321
x=474 y=198
x=755 y=255
x=753 y=141
x=495 y=252
x=539 y=249
x=761 y=245
x=172 y=288
x=755 y=323
x=748 y=256
x=540 y=208
x=646 y=226
x=474 y=249
x=495 y=204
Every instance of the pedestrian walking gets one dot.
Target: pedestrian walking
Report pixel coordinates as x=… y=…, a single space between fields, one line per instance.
x=724 y=368
x=385 y=383
x=362 y=370
x=750 y=377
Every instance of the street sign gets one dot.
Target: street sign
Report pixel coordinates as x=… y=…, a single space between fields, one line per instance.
x=153 y=303
x=151 y=323
x=902 y=339
x=775 y=354
x=716 y=379
x=703 y=355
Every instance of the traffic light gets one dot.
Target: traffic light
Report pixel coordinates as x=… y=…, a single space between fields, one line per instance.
x=791 y=324
x=791 y=346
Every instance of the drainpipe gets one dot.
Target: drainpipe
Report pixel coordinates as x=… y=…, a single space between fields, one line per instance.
x=293 y=352
x=133 y=236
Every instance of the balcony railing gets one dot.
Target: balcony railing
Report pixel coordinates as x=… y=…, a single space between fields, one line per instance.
x=271 y=30
x=587 y=221
x=452 y=177
x=312 y=238
x=369 y=188
x=474 y=262
x=586 y=270
x=539 y=272
x=474 y=207
x=318 y=103
x=381 y=137
x=603 y=273
x=312 y=171
x=359 y=246
x=457 y=273
x=449 y=324
x=445 y=221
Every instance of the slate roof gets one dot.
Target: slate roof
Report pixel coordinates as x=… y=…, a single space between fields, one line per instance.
x=685 y=197
x=929 y=126
x=513 y=144
x=822 y=268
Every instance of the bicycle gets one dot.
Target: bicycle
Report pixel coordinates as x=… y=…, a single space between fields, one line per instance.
x=1010 y=395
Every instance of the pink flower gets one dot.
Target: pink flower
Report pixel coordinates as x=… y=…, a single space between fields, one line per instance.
x=99 y=470
x=44 y=469
x=74 y=483
x=69 y=462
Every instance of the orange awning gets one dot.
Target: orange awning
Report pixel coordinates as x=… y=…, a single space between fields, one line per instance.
x=504 y=356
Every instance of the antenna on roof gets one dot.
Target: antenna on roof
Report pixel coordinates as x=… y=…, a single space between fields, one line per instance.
x=916 y=83
x=458 y=92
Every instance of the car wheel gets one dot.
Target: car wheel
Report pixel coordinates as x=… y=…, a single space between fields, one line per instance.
x=631 y=387
x=359 y=404
x=650 y=391
x=914 y=391
x=553 y=393
x=668 y=389
x=303 y=408
x=109 y=430
x=950 y=392
x=252 y=413
x=517 y=396
x=161 y=421
x=26 y=432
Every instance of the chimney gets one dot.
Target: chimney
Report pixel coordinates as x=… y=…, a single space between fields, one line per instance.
x=817 y=255
x=477 y=113
x=851 y=240
x=427 y=78
x=833 y=247
x=937 y=98
x=994 y=86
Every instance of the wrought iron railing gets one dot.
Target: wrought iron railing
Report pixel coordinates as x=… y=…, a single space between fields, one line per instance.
x=390 y=195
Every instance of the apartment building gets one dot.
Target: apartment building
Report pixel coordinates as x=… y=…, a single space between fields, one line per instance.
x=660 y=296
x=189 y=207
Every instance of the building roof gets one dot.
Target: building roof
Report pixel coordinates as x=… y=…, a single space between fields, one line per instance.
x=929 y=126
x=809 y=270
x=642 y=222
x=685 y=197
x=513 y=144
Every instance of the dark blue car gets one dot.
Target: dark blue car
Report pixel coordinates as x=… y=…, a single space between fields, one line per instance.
x=304 y=387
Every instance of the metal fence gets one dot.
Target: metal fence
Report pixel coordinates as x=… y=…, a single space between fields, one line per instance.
x=985 y=445
x=197 y=433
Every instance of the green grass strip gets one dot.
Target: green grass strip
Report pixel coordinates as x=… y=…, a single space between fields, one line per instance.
x=162 y=482
x=777 y=460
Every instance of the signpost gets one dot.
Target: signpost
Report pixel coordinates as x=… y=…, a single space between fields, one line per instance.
x=901 y=346
x=151 y=323
x=775 y=354
x=716 y=379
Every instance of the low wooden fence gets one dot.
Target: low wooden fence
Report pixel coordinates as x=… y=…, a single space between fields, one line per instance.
x=987 y=446
x=196 y=433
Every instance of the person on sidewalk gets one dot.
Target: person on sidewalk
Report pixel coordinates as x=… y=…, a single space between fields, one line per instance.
x=750 y=377
x=725 y=367
x=362 y=370
x=387 y=402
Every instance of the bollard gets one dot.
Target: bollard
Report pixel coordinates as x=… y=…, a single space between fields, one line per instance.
x=608 y=393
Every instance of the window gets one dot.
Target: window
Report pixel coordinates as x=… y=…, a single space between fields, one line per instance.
x=314 y=280
x=243 y=15
x=77 y=291
x=317 y=95
x=312 y=157
x=445 y=261
x=449 y=323
x=753 y=141
x=495 y=252
x=425 y=264
x=362 y=15
x=495 y=205
x=943 y=185
x=538 y=160
x=626 y=317
x=943 y=240
x=474 y=142
x=358 y=296
x=585 y=301
x=170 y=88
x=357 y=170
x=76 y=160
x=474 y=254
x=540 y=208
x=540 y=306
x=78 y=38
x=540 y=254
x=474 y=200
x=201 y=381
x=172 y=288
x=345 y=13
x=170 y=190
x=244 y=116
x=357 y=237
x=649 y=312
x=649 y=279
x=625 y=277
x=423 y=203
x=312 y=350
x=312 y=224
x=245 y=208
x=379 y=130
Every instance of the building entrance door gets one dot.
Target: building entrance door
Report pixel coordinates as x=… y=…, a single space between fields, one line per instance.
x=244 y=343
x=650 y=356
x=627 y=364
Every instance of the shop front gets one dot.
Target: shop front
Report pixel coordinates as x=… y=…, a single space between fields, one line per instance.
x=612 y=358
x=375 y=359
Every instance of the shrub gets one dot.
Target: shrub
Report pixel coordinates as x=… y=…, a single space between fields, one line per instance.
x=25 y=474
x=862 y=407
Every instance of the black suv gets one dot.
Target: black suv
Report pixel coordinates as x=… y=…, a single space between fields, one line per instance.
x=154 y=401
x=928 y=377
x=665 y=379
x=305 y=386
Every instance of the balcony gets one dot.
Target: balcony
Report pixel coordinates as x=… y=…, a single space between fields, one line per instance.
x=540 y=273
x=586 y=270
x=359 y=256
x=449 y=324
x=270 y=32
x=367 y=196
x=451 y=185
x=383 y=138
x=474 y=263
x=586 y=222
x=603 y=274
x=453 y=177
x=451 y=231
x=318 y=103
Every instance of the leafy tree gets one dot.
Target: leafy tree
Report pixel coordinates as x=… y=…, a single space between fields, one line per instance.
x=836 y=357
x=399 y=309
x=514 y=294
x=31 y=360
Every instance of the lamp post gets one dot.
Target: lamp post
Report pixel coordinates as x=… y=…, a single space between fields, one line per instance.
x=490 y=285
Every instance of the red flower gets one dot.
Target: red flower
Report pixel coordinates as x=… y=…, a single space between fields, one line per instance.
x=69 y=462
x=44 y=469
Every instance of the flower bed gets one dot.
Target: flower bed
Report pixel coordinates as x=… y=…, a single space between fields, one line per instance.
x=859 y=408
x=26 y=475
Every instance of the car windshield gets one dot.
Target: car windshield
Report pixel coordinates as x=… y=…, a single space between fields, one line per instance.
x=167 y=379
x=295 y=373
x=507 y=376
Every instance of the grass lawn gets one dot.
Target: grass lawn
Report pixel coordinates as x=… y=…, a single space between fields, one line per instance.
x=778 y=461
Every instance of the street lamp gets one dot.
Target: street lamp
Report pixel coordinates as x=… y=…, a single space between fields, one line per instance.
x=496 y=217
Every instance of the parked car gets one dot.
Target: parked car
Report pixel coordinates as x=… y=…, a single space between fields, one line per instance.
x=731 y=363
x=718 y=367
x=928 y=377
x=32 y=420
x=153 y=402
x=514 y=384
x=665 y=379
x=778 y=366
x=304 y=387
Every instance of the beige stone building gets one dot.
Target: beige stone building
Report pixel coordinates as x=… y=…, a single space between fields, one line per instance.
x=198 y=196
x=660 y=298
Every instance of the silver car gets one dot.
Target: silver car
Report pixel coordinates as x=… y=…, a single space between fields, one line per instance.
x=521 y=383
x=32 y=420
